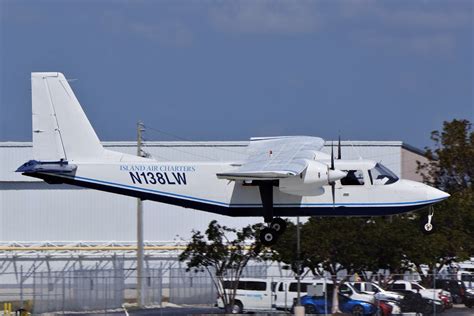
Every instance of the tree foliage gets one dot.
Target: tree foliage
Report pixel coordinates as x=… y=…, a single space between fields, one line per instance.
x=224 y=258
x=450 y=165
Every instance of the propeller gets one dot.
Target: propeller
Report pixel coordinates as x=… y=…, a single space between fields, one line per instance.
x=333 y=173
x=333 y=183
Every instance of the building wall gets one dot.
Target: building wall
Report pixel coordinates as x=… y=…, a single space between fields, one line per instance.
x=409 y=164
x=31 y=210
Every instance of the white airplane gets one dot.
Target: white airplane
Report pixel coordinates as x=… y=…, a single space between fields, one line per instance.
x=281 y=176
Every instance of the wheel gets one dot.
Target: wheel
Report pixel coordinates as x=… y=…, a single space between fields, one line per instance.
x=358 y=310
x=427 y=228
x=268 y=236
x=279 y=225
x=310 y=309
x=237 y=308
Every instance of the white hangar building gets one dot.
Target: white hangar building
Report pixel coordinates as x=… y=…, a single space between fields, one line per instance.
x=34 y=211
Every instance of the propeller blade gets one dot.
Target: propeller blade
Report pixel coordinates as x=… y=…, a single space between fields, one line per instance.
x=339 y=148
x=333 y=191
x=332 y=156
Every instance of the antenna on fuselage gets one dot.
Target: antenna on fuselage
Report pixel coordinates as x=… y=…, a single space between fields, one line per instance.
x=339 y=147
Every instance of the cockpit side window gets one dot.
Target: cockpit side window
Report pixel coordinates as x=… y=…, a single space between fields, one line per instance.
x=381 y=175
x=353 y=177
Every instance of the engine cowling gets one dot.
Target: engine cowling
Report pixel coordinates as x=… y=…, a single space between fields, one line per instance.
x=310 y=182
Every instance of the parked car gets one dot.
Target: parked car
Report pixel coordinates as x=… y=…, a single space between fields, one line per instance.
x=317 y=305
x=469 y=298
x=345 y=289
x=415 y=303
x=455 y=287
x=251 y=294
x=447 y=301
x=406 y=287
x=386 y=309
x=377 y=291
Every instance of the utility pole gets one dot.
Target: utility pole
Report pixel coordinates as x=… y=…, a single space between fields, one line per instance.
x=140 y=251
x=299 y=310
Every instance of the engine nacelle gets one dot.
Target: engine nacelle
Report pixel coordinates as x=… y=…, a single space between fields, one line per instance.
x=308 y=183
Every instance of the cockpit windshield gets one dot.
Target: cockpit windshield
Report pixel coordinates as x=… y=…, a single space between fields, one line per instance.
x=382 y=175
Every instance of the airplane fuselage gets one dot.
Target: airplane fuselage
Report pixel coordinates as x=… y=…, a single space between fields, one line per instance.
x=195 y=185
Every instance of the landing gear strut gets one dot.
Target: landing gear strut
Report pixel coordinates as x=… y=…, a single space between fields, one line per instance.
x=427 y=225
x=275 y=226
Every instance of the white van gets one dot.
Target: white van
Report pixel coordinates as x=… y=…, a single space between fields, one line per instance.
x=251 y=294
x=287 y=290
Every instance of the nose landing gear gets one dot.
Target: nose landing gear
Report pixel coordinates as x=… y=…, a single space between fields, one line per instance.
x=427 y=223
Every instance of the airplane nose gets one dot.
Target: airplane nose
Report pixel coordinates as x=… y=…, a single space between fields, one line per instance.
x=435 y=194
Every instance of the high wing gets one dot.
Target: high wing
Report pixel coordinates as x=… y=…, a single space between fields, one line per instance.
x=271 y=158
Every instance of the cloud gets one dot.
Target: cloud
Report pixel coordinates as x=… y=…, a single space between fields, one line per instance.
x=265 y=17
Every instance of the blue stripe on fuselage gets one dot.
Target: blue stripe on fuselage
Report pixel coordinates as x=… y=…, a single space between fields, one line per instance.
x=350 y=206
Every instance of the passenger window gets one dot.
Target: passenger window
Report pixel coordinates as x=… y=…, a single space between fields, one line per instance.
x=398 y=286
x=357 y=286
x=280 y=287
x=345 y=290
x=353 y=177
x=294 y=287
x=416 y=286
x=381 y=175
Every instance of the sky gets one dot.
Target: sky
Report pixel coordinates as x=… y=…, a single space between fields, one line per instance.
x=231 y=70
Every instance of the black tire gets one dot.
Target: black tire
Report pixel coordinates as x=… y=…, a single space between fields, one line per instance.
x=237 y=308
x=358 y=310
x=425 y=228
x=268 y=236
x=310 y=309
x=278 y=225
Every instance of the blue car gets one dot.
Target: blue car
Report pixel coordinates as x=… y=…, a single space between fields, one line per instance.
x=316 y=305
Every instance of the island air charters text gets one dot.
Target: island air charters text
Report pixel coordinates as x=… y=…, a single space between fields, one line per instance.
x=158 y=174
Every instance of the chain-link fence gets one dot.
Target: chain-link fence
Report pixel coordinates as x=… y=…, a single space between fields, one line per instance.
x=95 y=288
x=191 y=287
x=77 y=290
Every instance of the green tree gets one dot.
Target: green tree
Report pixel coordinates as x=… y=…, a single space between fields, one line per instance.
x=224 y=258
x=330 y=244
x=450 y=167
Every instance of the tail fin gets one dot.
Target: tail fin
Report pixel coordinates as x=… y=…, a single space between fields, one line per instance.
x=61 y=129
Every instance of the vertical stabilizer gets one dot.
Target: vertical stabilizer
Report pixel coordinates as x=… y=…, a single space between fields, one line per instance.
x=61 y=129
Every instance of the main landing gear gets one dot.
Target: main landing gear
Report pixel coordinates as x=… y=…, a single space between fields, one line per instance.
x=269 y=235
x=275 y=226
x=427 y=223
